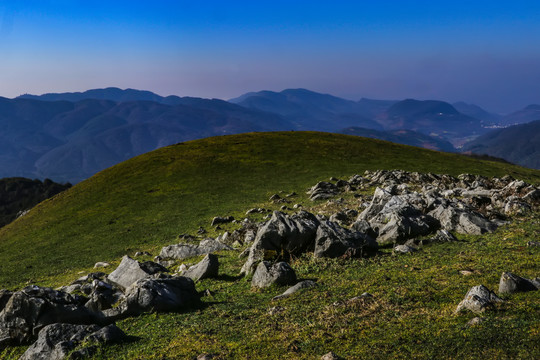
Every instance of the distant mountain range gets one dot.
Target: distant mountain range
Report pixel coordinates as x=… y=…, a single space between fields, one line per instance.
x=71 y=136
x=70 y=141
x=519 y=144
x=528 y=114
x=407 y=137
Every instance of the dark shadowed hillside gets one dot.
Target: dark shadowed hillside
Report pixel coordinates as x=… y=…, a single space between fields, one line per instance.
x=519 y=144
x=20 y=194
x=407 y=137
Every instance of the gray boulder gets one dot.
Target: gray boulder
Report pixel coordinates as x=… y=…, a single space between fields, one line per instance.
x=267 y=274
x=32 y=308
x=404 y=249
x=332 y=240
x=206 y=268
x=443 y=236
x=184 y=251
x=462 y=221
x=57 y=341
x=478 y=299
x=102 y=296
x=511 y=283
x=322 y=191
x=306 y=284
x=131 y=270
x=161 y=294
x=293 y=234
x=221 y=220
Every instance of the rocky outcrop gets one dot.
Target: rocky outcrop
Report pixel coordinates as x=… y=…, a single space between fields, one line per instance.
x=331 y=240
x=158 y=293
x=32 y=308
x=58 y=341
x=282 y=234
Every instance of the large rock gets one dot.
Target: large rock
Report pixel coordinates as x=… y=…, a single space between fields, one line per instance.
x=102 y=296
x=161 y=294
x=478 y=299
x=511 y=283
x=267 y=274
x=206 y=268
x=34 y=307
x=131 y=270
x=184 y=251
x=323 y=190
x=282 y=234
x=462 y=221
x=334 y=241
x=58 y=341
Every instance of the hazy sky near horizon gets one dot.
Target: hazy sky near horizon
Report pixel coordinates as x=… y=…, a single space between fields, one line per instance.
x=483 y=52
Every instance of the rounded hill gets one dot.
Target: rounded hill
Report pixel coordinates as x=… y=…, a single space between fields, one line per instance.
x=148 y=201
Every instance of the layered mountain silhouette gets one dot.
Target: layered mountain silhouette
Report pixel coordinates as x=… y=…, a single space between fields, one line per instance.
x=71 y=136
x=70 y=141
x=477 y=112
x=519 y=144
x=309 y=110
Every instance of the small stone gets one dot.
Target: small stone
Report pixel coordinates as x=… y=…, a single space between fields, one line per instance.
x=466 y=272
x=330 y=356
x=101 y=264
x=205 y=357
x=404 y=249
x=276 y=310
x=475 y=321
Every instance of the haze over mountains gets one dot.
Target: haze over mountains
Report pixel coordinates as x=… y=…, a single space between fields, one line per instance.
x=71 y=136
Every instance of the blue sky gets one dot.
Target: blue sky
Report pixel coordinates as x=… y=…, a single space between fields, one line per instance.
x=484 y=52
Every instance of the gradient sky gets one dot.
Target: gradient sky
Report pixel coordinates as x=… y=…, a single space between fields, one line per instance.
x=483 y=52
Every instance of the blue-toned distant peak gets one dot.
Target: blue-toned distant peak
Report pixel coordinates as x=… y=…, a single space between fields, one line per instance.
x=110 y=93
x=412 y=107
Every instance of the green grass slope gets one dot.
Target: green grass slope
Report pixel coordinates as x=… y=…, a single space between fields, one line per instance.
x=146 y=202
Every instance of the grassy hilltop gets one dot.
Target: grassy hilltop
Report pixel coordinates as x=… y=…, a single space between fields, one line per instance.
x=148 y=201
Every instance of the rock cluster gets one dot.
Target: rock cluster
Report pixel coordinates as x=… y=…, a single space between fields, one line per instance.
x=407 y=210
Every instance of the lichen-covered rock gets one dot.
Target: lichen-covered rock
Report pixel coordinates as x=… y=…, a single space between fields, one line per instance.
x=268 y=274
